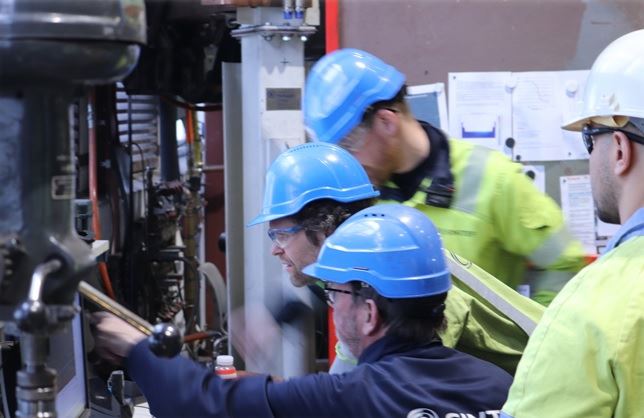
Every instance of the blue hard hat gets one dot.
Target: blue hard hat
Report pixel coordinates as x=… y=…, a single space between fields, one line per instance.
x=340 y=87
x=311 y=172
x=393 y=248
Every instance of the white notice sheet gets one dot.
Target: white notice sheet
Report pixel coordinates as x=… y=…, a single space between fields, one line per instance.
x=541 y=103
x=578 y=209
x=480 y=108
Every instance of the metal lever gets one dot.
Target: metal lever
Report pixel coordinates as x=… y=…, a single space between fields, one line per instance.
x=165 y=339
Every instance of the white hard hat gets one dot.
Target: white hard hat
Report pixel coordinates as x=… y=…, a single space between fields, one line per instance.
x=615 y=87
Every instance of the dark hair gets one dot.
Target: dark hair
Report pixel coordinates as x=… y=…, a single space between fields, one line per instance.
x=396 y=103
x=416 y=320
x=325 y=215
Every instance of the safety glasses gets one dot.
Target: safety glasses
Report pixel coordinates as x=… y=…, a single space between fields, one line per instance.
x=281 y=236
x=588 y=131
x=329 y=293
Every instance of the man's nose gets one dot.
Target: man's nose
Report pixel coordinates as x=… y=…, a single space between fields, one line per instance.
x=276 y=249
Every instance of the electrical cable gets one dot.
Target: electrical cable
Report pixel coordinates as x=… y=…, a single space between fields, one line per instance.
x=130 y=222
x=197 y=273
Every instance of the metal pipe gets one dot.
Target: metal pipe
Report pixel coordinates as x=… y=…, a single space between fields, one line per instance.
x=38 y=278
x=114 y=307
x=211 y=168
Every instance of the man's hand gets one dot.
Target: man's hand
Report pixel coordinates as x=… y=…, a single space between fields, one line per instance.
x=255 y=340
x=114 y=338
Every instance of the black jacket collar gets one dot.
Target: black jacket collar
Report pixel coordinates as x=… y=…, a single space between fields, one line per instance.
x=436 y=168
x=393 y=345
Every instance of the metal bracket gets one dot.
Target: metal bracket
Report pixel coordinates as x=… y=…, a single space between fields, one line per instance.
x=267 y=31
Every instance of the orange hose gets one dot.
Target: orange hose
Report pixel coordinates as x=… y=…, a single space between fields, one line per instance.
x=93 y=191
x=590 y=258
x=198 y=336
x=190 y=130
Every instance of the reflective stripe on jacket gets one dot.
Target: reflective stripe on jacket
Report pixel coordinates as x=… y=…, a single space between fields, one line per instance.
x=485 y=318
x=500 y=221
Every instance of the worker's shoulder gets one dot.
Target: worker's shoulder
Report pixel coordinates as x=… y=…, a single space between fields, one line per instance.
x=604 y=288
x=622 y=268
x=437 y=362
x=623 y=263
x=459 y=365
x=462 y=151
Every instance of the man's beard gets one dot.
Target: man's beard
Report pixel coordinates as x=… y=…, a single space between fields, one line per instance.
x=299 y=279
x=351 y=343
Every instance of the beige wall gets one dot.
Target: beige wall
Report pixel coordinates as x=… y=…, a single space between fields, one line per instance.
x=426 y=39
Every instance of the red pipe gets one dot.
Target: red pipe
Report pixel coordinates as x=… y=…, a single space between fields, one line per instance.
x=333 y=339
x=93 y=190
x=331 y=25
x=332 y=38
x=197 y=336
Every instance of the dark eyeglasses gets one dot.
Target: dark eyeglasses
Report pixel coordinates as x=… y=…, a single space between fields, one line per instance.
x=329 y=293
x=588 y=131
x=281 y=236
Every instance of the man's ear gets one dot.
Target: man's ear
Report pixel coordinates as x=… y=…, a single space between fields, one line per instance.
x=623 y=153
x=372 y=323
x=386 y=122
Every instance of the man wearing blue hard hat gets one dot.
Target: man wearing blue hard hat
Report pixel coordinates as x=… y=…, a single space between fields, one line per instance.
x=485 y=208
x=385 y=274
x=313 y=188
x=310 y=190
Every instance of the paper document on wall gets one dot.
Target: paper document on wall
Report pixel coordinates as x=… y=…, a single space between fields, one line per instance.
x=520 y=113
x=480 y=108
x=578 y=209
x=541 y=103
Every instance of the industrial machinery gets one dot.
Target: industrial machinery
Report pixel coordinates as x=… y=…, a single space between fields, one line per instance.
x=44 y=67
x=90 y=95
x=51 y=53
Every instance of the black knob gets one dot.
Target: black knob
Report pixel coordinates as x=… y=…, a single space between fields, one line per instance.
x=221 y=242
x=165 y=340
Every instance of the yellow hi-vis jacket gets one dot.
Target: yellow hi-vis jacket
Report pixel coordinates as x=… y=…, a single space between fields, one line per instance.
x=501 y=222
x=485 y=318
x=586 y=356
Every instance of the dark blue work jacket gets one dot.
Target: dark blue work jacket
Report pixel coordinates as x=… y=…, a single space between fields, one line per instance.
x=392 y=379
